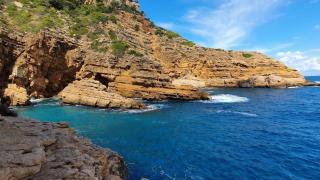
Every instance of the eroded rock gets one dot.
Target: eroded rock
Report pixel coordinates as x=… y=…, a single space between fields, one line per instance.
x=93 y=93
x=35 y=150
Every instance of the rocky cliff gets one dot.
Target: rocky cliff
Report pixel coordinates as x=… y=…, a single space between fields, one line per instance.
x=34 y=150
x=83 y=50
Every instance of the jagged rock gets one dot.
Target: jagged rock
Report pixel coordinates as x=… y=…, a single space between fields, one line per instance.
x=45 y=66
x=35 y=150
x=93 y=93
x=271 y=81
x=17 y=94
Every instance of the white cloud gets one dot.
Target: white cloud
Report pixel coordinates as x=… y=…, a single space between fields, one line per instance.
x=306 y=63
x=272 y=49
x=231 y=22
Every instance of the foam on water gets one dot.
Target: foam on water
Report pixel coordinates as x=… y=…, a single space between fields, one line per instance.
x=226 y=98
x=34 y=101
x=152 y=107
x=294 y=87
x=237 y=112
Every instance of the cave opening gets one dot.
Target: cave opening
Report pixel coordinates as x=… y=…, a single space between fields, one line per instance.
x=105 y=81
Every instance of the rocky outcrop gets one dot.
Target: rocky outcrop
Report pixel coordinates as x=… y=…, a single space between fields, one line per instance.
x=126 y=57
x=18 y=95
x=35 y=150
x=272 y=81
x=219 y=68
x=93 y=93
x=9 y=50
x=46 y=64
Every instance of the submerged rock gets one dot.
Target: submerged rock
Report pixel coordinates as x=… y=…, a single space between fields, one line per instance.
x=36 y=150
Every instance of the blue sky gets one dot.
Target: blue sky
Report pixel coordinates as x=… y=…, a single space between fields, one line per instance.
x=288 y=30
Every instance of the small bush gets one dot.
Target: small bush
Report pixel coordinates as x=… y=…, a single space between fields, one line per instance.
x=172 y=34
x=113 y=19
x=119 y=48
x=247 y=55
x=98 y=46
x=135 y=53
x=159 y=32
x=169 y=34
x=188 y=43
x=112 y=35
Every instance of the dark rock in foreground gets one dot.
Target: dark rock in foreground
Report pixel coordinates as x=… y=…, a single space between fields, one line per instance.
x=36 y=150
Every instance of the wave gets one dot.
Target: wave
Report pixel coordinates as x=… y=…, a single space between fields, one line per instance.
x=34 y=101
x=294 y=87
x=237 y=112
x=226 y=98
x=153 y=107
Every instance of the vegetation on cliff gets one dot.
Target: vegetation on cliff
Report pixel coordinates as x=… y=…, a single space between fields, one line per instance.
x=109 y=47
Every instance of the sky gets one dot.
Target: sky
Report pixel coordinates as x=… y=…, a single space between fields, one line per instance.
x=287 y=30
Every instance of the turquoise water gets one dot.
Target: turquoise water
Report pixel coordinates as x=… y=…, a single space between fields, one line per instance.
x=242 y=134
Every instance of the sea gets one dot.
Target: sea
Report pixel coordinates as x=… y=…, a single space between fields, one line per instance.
x=238 y=134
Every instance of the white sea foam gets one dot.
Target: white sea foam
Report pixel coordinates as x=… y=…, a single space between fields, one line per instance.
x=237 y=112
x=33 y=100
x=294 y=87
x=153 y=107
x=226 y=98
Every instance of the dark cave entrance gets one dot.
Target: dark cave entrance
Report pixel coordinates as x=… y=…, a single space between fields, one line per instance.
x=105 y=81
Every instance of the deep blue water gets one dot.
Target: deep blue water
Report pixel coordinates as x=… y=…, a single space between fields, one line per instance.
x=243 y=134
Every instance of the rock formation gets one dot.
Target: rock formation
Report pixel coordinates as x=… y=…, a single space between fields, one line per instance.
x=35 y=150
x=118 y=54
x=93 y=93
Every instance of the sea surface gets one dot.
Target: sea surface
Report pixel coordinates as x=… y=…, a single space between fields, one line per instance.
x=239 y=134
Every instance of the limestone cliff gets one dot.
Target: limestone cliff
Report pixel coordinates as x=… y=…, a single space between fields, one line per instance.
x=34 y=150
x=109 y=49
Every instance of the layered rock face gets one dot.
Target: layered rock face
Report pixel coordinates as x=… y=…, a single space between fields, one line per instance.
x=45 y=66
x=34 y=150
x=127 y=58
x=93 y=93
x=9 y=50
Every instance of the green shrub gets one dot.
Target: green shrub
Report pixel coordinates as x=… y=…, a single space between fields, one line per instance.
x=95 y=34
x=119 y=48
x=113 y=19
x=169 y=34
x=159 y=32
x=34 y=16
x=98 y=46
x=112 y=35
x=247 y=55
x=135 y=53
x=188 y=43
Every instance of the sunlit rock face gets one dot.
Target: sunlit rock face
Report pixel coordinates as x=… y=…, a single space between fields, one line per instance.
x=123 y=56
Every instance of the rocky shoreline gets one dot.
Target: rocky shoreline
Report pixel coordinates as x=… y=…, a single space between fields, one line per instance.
x=120 y=59
x=30 y=149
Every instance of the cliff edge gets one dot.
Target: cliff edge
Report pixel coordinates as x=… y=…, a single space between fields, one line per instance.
x=36 y=150
x=83 y=50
